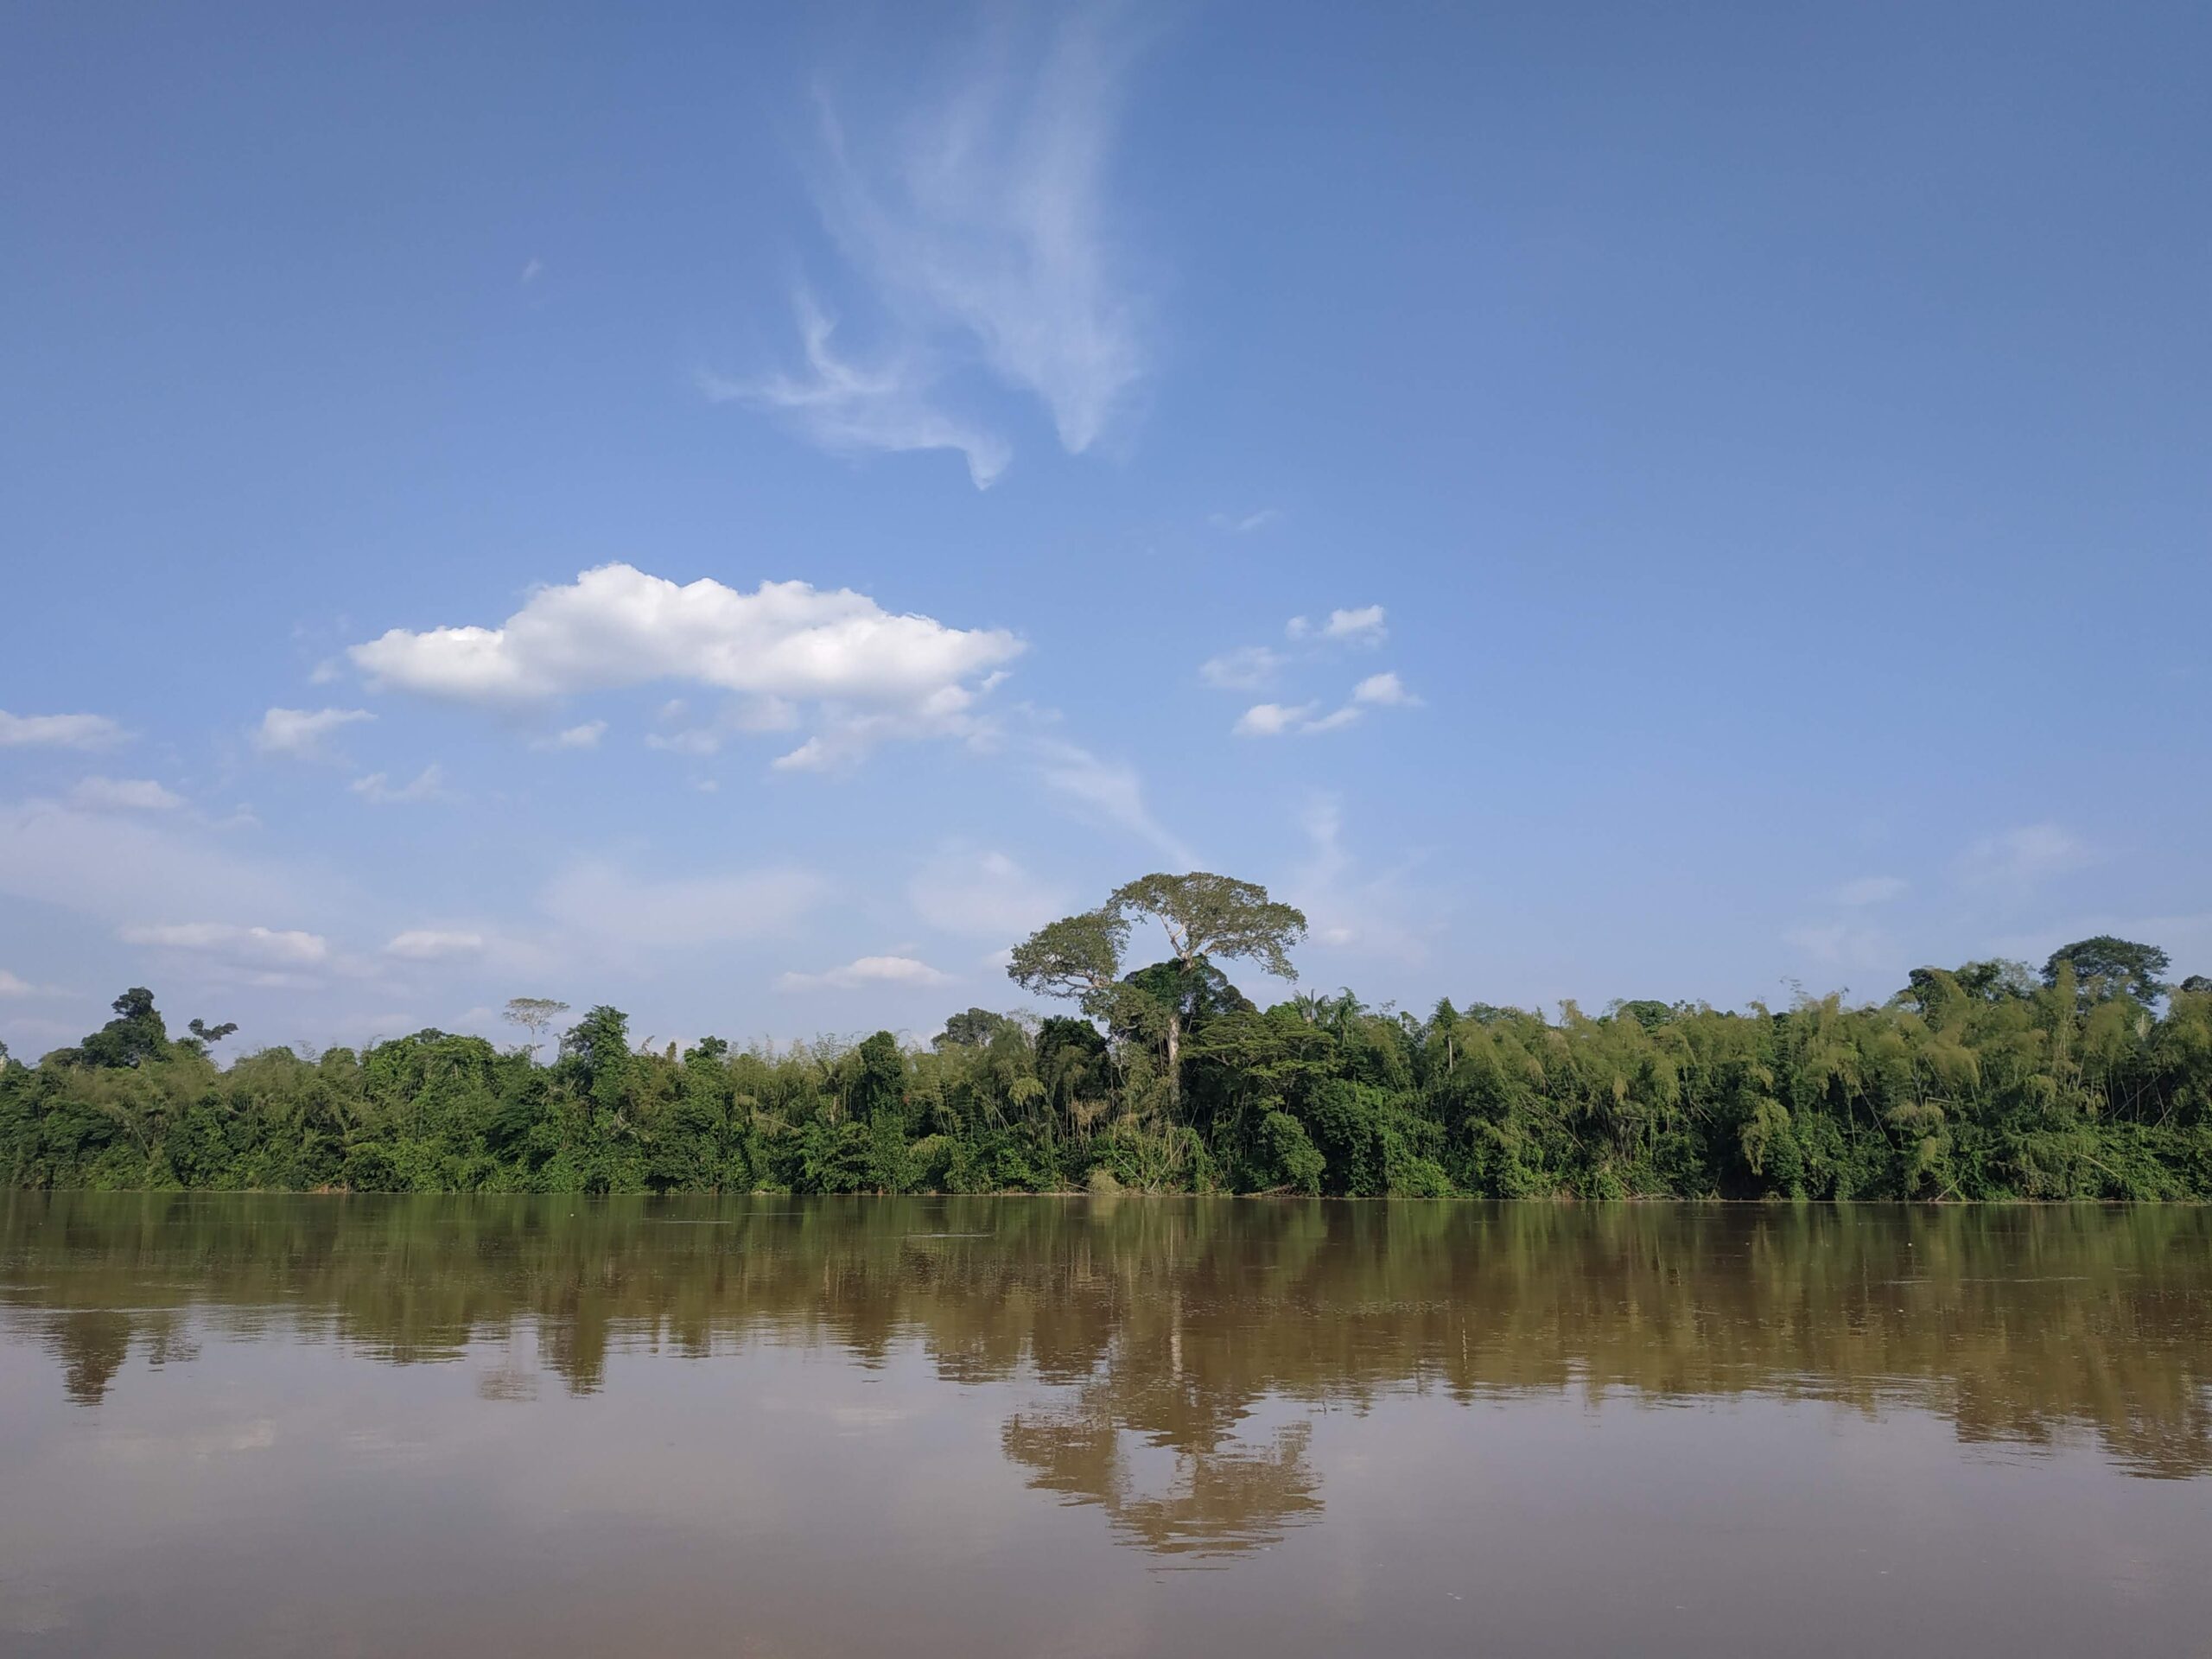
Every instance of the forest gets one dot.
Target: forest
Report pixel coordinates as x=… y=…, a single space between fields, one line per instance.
x=2089 y=1078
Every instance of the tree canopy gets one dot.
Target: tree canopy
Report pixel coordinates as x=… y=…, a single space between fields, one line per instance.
x=1980 y=1081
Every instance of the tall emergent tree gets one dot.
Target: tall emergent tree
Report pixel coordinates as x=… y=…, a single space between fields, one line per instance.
x=1205 y=917
x=2105 y=967
x=536 y=1016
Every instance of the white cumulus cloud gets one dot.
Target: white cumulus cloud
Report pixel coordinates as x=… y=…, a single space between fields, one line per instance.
x=1272 y=719
x=869 y=673
x=1384 y=691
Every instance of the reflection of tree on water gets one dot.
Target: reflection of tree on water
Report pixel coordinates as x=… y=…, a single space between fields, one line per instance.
x=1231 y=1495
x=1157 y=1328
x=93 y=1344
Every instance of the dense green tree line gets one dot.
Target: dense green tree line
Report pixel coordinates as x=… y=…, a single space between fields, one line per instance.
x=2090 y=1080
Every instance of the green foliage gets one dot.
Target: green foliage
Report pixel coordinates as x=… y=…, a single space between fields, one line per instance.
x=2104 y=967
x=1978 y=1081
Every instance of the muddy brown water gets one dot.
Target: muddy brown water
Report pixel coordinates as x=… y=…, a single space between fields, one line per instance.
x=263 y=1425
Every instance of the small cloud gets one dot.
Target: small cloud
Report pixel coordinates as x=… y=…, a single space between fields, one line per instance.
x=303 y=734
x=273 y=947
x=1271 y=719
x=532 y=271
x=1871 y=890
x=329 y=671
x=1335 y=722
x=1246 y=668
x=428 y=785
x=585 y=736
x=11 y=986
x=1384 y=691
x=744 y=715
x=59 y=731
x=1362 y=627
x=867 y=970
x=1845 y=944
x=983 y=893
x=1234 y=525
x=2022 y=856
x=813 y=755
x=429 y=944
x=123 y=795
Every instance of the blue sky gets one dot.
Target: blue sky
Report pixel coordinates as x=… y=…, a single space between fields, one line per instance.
x=741 y=515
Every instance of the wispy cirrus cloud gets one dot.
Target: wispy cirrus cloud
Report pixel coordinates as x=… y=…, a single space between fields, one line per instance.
x=378 y=790
x=1352 y=908
x=1846 y=944
x=1109 y=789
x=977 y=221
x=987 y=895
x=59 y=731
x=1243 y=524
x=1245 y=669
x=246 y=945
x=1871 y=890
x=584 y=736
x=848 y=410
x=867 y=971
x=304 y=733
x=2024 y=857
x=436 y=944
x=610 y=906
x=123 y=795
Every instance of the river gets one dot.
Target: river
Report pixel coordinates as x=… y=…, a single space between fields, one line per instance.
x=778 y=1426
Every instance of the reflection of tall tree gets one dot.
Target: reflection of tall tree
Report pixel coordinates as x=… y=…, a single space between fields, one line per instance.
x=93 y=1344
x=2027 y=1325
x=1227 y=1496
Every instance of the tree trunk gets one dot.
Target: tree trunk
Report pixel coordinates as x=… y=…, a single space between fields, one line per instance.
x=1174 y=1054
